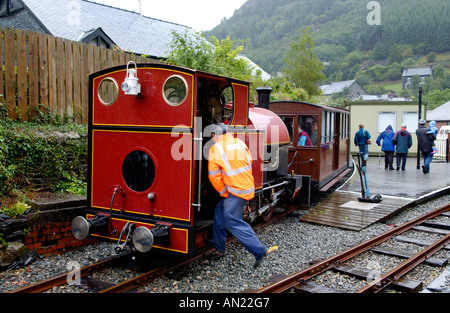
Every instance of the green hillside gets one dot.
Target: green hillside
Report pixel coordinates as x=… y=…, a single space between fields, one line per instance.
x=407 y=29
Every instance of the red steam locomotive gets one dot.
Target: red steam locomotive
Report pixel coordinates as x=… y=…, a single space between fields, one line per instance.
x=149 y=137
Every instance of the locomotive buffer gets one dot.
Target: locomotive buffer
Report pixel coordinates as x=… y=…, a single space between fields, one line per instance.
x=364 y=186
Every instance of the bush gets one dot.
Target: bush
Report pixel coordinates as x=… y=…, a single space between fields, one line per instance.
x=31 y=153
x=17 y=209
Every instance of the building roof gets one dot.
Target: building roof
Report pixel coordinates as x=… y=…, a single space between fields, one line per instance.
x=336 y=87
x=130 y=31
x=423 y=71
x=382 y=98
x=255 y=67
x=441 y=113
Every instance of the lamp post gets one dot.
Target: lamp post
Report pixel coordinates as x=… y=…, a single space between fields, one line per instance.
x=419 y=117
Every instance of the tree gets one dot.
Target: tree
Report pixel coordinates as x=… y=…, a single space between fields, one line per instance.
x=191 y=51
x=354 y=58
x=195 y=52
x=379 y=52
x=302 y=67
x=431 y=57
x=436 y=98
x=395 y=55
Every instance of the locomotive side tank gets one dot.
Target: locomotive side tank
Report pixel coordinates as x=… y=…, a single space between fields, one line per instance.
x=148 y=146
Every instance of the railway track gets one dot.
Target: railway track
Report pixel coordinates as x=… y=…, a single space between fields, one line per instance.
x=301 y=281
x=63 y=278
x=118 y=261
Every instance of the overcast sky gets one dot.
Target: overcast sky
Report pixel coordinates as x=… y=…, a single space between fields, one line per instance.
x=199 y=14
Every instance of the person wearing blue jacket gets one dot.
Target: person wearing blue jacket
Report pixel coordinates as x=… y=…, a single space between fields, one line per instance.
x=433 y=131
x=362 y=140
x=387 y=147
x=403 y=141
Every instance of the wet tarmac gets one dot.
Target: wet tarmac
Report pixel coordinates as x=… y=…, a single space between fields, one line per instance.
x=411 y=183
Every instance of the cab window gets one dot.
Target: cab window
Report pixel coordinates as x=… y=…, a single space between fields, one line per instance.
x=289 y=122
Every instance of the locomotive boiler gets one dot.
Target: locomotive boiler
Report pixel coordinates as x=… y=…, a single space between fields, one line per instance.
x=149 y=136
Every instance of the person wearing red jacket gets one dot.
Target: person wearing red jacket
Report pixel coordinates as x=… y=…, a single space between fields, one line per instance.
x=230 y=173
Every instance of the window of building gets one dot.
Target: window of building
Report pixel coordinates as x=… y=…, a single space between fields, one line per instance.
x=385 y=119
x=411 y=119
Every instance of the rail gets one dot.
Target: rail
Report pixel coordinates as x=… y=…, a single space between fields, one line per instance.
x=136 y=281
x=378 y=284
x=62 y=278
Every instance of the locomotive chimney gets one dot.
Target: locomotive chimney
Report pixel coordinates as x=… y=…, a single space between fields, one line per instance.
x=264 y=97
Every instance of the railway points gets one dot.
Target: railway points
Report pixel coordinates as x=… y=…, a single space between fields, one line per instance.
x=399 y=190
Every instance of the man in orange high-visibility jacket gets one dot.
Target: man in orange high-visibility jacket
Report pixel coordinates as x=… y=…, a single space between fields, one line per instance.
x=230 y=172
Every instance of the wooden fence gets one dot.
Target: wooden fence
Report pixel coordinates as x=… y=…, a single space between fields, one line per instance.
x=50 y=74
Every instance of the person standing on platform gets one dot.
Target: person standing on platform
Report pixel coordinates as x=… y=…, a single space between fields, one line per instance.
x=387 y=146
x=434 y=131
x=230 y=173
x=426 y=143
x=402 y=141
x=362 y=140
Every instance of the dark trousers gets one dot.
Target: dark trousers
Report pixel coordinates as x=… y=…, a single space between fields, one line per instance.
x=401 y=160
x=228 y=216
x=427 y=158
x=388 y=159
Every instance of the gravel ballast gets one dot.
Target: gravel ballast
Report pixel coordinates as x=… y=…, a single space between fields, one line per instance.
x=299 y=244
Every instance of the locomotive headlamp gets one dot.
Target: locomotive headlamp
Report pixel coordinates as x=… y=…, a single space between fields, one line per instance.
x=131 y=84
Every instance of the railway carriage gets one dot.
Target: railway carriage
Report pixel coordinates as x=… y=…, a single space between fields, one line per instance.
x=149 y=137
x=326 y=158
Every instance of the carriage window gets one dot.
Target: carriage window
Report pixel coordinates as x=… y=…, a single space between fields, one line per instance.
x=327 y=126
x=332 y=129
x=175 y=90
x=324 y=124
x=307 y=130
x=289 y=122
x=108 y=91
x=344 y=126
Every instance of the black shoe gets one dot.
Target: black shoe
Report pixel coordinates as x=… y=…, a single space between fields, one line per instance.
x=397 y=168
